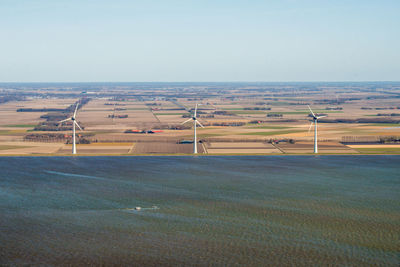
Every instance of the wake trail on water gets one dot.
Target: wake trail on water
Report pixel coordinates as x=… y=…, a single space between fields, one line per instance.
x=78 y=175
x=137 y=184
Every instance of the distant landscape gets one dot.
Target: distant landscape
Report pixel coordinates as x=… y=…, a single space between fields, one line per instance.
x=238 y=118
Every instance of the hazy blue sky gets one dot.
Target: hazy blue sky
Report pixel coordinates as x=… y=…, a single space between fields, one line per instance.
x=199 y=40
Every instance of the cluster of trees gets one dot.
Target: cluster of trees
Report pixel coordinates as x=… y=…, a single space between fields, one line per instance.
x=223 y=112
x=153 y=104
x=389 y=139
x=257 y=108
x=207 y=116
x=388 y=114
x=230 y=123
x=52 y=127
x=8 y=98
x=120 y=98
x=360 y=120
x=317 y=114
x=172 y=109
x=336 y=101
x=118 y=116
x=172 y=127
x=333 y=108
x=257 y=122
x=200 y=114
x=45 y=137
x=368 y=108
x=58 y=137
x=275 y=141
x=114 y=104
x=371 y=139
x=275 y=115
x=51 y=117
x=79 y=140
x=360 y=139
x=40 y=110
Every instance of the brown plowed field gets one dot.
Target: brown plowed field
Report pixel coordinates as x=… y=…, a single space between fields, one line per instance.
x=164 y=148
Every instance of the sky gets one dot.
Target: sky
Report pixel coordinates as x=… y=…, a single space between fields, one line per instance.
x=199 y=40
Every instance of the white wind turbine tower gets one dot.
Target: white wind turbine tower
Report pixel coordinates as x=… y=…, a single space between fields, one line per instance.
x=73 y=119
x=195 y=122
x=315 y=120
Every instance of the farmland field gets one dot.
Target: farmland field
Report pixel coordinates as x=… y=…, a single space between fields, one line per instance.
x=151 y=115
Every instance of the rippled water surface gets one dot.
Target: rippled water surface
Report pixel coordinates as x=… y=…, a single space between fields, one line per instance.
x=266 y=210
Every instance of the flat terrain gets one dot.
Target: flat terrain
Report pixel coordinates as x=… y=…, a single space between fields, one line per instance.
x=239 y=118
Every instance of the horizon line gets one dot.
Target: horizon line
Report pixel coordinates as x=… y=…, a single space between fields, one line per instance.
x=316 y=81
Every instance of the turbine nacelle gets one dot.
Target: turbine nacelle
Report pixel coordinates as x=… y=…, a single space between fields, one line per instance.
x=315 y=117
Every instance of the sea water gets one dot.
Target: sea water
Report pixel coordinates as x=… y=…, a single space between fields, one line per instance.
x=248 y=211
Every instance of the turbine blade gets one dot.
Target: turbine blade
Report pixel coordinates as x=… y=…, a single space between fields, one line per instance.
x=311 y=110
x=309 y=129
x=200 y=124
x=78 y=125
x=65 y=120
x=76 y=109
x=187 y=121
x=195 y=111
x=321 y=117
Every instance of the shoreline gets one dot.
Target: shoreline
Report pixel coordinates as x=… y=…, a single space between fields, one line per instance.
x=199 y=155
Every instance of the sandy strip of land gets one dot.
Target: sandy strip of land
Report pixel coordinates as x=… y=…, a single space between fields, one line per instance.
x=239 y=145
x=30 y=148
x=242 y=151
x=105 y=144
x=94 y=148
x=375 y=146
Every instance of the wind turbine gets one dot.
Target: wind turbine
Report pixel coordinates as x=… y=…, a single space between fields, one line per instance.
x=315 y=120
x=73 y=119
x=195 y=122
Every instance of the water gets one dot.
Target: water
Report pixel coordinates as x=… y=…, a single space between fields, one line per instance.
x=265 y=210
